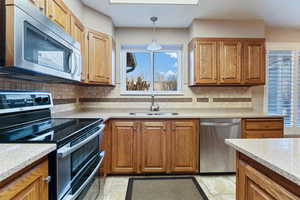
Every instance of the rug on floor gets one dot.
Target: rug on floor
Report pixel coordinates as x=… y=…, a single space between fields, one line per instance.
x=164 y=188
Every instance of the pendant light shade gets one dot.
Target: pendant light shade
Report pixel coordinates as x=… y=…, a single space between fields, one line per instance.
x=154 y=45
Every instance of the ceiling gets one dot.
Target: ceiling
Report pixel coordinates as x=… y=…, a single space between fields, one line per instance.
x=273 y=12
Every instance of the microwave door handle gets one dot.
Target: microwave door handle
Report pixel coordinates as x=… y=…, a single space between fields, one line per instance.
x=67 y=150
x=82 y=187
x=71 y=64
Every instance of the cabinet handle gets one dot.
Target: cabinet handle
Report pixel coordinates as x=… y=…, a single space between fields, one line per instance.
x=47 y=179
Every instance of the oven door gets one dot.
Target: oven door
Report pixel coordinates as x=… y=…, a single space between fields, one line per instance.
x=76 y=159
x=87 y=184
x=42 y=46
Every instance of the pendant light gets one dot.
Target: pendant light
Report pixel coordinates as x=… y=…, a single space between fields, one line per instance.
x=154 y=46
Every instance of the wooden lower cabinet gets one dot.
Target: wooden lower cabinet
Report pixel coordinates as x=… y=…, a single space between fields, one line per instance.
x=152 y=146
x=124 y=146
x=263 y=128
x=255 y=182
x=30 y=185
x=184 y=146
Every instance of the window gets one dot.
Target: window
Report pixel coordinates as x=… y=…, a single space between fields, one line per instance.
x=145 y=72
x=284 y=83
x=280 y=84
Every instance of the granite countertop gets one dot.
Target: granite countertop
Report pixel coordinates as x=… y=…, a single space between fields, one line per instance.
x=15 y=157
x=187 y=113
x=280 y=155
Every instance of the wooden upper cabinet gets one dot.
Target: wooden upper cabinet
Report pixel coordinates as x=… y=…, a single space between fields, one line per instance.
x=205 y=62
x=124 y=146
x=184 y=146
x=58 y=12
x=254 y=62
x=227 y=61
x=40 y=4
x=78 y=33
x=153 y=146
x=100 y=58
x=230 y=62
x=30 y=186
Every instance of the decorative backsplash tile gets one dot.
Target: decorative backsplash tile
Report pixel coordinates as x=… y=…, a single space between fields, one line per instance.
x=232 y=100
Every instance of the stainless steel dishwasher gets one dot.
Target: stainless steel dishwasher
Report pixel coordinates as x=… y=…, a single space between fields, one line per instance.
x=215 y=155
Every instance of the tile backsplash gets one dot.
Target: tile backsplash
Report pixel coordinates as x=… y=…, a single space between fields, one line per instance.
x=109 y=97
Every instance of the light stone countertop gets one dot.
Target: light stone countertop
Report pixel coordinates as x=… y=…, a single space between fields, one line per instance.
x=280 y=155
x=182 y=113
x=15 y=157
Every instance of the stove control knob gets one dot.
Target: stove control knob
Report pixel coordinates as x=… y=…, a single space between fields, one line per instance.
x=38 y=99
x=46 y=99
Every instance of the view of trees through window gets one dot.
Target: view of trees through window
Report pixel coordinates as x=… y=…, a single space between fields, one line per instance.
x=152 y=71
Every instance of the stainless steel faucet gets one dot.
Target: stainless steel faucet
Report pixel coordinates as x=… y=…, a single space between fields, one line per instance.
x=153 y=107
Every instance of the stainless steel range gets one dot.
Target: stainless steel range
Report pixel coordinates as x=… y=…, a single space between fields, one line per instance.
x=75 y=166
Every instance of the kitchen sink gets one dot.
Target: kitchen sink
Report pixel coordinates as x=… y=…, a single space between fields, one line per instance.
x=153 y=113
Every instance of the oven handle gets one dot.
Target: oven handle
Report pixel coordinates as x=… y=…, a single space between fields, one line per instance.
x=82 y=187
x=67 y=150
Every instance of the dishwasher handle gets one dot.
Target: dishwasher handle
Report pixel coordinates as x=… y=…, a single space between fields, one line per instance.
x=219 y=124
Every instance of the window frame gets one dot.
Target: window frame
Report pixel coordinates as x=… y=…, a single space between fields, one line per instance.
x=295 y=48
x=142 y=49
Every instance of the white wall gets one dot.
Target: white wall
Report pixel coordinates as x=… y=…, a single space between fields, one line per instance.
x=227 y=28
x=283 y=35
x=91 y=18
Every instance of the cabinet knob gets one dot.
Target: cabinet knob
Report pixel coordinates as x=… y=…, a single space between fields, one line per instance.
x=47 y=179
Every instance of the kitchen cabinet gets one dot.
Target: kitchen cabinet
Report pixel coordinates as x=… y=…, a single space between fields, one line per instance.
x=124 y=146
x=254 y=62
x=58 y=12
x=78 y=33
x=100 y=58
x=255 y=182
x=263 y=127
x=31 y=184
x=227 y=61
x=153 y=145
x=40 y=4
x=184 y=146
x=230 y=62
x=204 y=64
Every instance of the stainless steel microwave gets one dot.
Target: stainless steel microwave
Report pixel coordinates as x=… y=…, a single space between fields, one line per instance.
x=31 y=42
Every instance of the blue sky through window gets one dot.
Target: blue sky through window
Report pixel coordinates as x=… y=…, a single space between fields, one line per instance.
x=165 y=69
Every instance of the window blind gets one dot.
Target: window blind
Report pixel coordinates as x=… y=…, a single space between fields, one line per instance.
x=280 y=88
x=298 y=93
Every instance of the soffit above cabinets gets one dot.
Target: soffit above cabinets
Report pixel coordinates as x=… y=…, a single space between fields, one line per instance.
x=180 y=15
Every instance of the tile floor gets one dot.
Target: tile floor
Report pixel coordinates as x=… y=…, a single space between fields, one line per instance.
x=215 y=187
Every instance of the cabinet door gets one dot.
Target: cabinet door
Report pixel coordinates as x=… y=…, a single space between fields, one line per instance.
x=30 y=186
x=40 y=4
x=100 y=61
x=153 y=139
x=78 y=32
x=254 y=62
x=254 y=185
x=206 y=62
x=230 y=62
x=184 y=146
x=58 y=12
x=124 y=146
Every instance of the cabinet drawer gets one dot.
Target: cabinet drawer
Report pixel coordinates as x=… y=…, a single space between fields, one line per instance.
x=264 y=134
x=264 y=124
